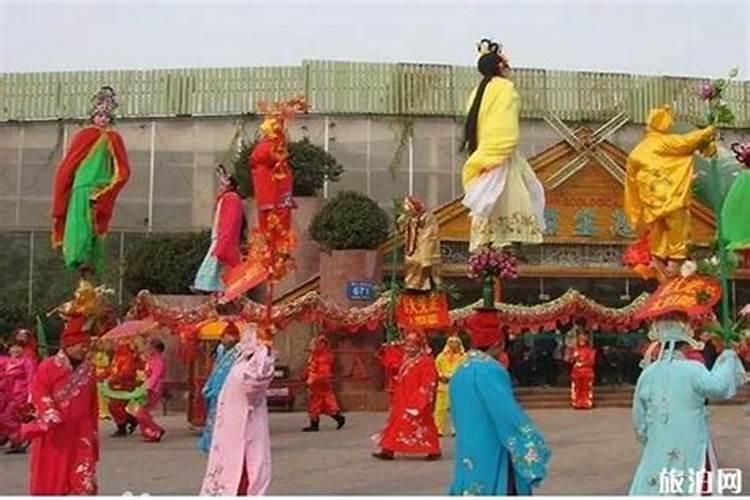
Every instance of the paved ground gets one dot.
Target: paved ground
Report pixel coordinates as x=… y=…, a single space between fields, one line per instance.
x=594 y=452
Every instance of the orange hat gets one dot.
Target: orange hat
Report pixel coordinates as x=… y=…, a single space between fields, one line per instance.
x=694 y=296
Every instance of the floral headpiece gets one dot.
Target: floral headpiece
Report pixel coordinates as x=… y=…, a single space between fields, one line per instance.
x=487 y=46
x=104 y=102
x=278 y=113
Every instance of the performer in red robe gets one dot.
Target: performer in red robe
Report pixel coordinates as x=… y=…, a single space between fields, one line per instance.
x=318 y=376
x=63 y=433
x=88 y=179
x=582 y=359
x=411 y=424
x=391 y=355
x=123 y=373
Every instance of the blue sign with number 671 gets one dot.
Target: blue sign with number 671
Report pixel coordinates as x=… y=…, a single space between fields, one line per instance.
x=360 y=290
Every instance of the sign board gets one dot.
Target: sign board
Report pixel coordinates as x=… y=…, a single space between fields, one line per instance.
x=424 y=311
x=360 y=290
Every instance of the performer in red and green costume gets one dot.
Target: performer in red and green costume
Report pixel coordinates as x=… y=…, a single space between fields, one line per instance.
x=88 y=180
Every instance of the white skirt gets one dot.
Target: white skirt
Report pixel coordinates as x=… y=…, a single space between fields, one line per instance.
x=506 y=205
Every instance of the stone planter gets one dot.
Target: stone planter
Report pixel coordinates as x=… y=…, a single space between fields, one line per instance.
x=362 y=376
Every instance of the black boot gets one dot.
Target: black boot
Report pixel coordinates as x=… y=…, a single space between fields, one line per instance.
x=313 y=427
x=120 y=432
x=16 y=449
x=132 y=424
x=340 y=420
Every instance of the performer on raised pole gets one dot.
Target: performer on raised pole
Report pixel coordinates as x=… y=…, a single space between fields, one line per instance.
x=410 y=428
x=318 y=376
x=447 y=361
x=658 y=193
x=88 y=180
x=499 y=450
x=226 y=236
x=504 y=196
x=582 y=359
x=64 y=430
x=239 y=461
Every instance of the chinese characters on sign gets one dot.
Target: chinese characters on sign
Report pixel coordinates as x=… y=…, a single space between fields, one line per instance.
x=423 y=311
x=695 y=482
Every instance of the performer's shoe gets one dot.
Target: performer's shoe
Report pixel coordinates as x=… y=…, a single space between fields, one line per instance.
x=156 y=439
x=313 y=427
x=340 y=420
x=433 y=456
x=16 y=450
x=120 y=432
x=132 y=425
x=383 y=455
x=3 y=441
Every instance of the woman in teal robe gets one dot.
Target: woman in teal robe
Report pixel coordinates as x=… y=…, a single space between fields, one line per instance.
x=225 y=359
x=670 y=415
x=499 y=450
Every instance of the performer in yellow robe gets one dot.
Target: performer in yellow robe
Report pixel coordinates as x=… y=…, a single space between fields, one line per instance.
x=447 y=361
x=101 y=363
x=505 y=198
x=421 y=246
x=658 y=186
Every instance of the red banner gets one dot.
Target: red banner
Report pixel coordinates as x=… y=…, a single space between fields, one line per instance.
x=425 y=311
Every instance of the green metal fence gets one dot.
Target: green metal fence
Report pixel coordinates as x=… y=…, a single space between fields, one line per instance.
x=351 y=88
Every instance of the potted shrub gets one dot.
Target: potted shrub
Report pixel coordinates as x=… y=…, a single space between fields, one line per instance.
x=349 y=229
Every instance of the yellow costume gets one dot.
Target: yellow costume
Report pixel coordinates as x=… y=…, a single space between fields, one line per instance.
x=504 y=195
x=446 y=364
x=101 y=369
x=658 y=184
x=421 y=246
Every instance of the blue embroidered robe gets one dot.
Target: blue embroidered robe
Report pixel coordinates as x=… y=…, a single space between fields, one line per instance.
x=494 y=437
x=671 y=418
x=223 y=363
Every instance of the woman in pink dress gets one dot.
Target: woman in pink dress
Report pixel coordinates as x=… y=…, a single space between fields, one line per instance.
x=155 y=372
x=239 y=462
x=16 y=378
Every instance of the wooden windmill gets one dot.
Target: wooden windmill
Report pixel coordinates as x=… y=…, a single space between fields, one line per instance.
x=587 y=148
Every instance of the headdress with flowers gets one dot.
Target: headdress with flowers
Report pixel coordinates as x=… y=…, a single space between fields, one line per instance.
x=103 y=102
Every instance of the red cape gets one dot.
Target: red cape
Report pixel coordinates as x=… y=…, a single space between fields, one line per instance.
x=82 y=144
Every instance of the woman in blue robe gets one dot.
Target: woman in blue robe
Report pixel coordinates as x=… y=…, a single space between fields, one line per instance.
x=224 y=360
x=499 y=450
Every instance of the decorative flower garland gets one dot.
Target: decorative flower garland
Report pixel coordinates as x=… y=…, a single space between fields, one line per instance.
x=313 y=307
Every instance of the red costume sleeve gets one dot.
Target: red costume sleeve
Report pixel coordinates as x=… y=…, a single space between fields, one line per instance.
x=227 y=250
x=423 y=395
x=80 y=147
x=47 y=415
x=105 y=198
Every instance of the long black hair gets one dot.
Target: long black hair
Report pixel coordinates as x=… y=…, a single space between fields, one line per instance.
x=489 y=65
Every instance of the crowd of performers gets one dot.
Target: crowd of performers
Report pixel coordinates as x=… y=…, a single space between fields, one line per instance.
x=54 y=405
